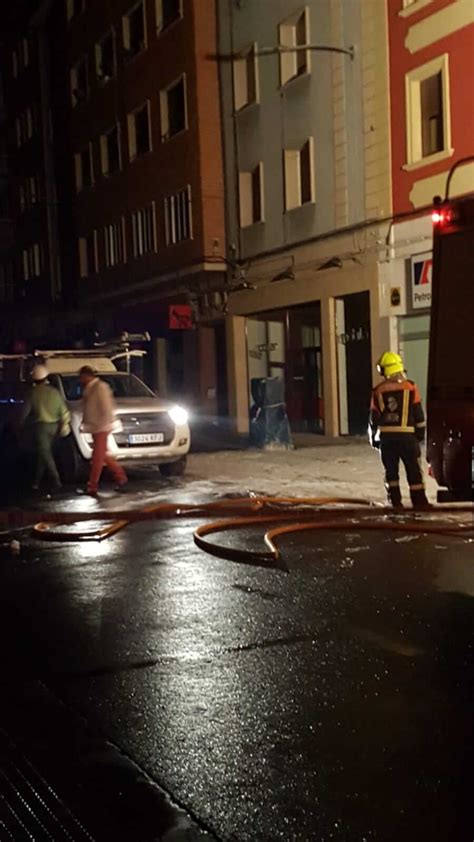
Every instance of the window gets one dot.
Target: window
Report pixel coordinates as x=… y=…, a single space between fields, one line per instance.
x=88 y=263
x=294 y=32
x=32 y=262
x=110 y=151
x=25 y=52
x=431 y=96
x=299 y=175
x=84 y=171
x=105 y=57
x=143 y=231
x=74 y=8
x=7 y=281
x=178 y=222
x=138 y=123
x=251 y=196
x=79 y=82
x=32 y=190
x=134 y=36
x=410 y=7
x=24 y=127
x=428 y=112
x=167 y=11
x=173 y=109
x=29 y=192
x=114 y=243
x=246 y=79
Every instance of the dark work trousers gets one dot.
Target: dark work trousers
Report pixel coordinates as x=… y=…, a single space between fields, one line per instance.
x=44 y=435
x=407 y=448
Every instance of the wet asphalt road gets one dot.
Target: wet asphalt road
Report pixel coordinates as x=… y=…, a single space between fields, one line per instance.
x=331 y=703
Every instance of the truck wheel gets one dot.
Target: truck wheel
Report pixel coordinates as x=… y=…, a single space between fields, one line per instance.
x=173 y=469
x=71 y=464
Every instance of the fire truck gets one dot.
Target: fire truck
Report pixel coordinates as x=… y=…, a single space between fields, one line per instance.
x=450 y=401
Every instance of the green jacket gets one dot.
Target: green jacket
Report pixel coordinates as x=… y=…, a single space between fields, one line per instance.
x=45 y=405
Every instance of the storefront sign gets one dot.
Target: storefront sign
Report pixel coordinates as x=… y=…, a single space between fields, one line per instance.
x=421 y=269
x=180 y=317
x=259 y=350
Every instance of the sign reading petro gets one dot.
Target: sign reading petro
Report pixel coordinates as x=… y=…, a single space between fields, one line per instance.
x=421 y=271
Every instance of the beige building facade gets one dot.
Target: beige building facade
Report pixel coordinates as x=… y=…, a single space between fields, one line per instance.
x=308 y=185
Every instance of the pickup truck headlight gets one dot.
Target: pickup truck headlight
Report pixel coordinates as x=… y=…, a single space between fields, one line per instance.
x=178 y=415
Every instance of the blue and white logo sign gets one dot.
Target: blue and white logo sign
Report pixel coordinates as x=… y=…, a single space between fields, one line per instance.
x=421 y=270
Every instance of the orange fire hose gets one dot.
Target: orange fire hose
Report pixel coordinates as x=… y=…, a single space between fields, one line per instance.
x=305 y=514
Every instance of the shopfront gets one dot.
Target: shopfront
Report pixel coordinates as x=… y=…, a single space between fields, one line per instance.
x=414 y=328
x=286 y=343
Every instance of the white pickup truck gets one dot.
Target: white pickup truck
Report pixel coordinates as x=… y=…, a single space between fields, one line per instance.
x=148 y=430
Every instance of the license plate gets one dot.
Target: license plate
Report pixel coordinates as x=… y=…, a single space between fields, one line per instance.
x=146 y=438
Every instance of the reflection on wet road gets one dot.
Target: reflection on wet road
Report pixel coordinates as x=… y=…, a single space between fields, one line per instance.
x=333 y=702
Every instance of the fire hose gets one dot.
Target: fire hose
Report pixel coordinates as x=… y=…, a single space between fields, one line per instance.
x=283 y=515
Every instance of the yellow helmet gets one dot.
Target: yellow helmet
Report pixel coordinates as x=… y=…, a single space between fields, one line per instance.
x=390 y=363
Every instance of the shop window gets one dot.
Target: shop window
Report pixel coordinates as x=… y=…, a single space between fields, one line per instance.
x=173 y=109
x=88 y=263
x=32 y=262
x=134 y=32
x=105 y=57
x=245 y=71
x=114 y=241
x=143 y=231
x=84 y=171
x=110 y=151
x=167 y=12
x=79 y=82
x=299 y=175
x=294 y=32
x=74 y=8
x=178 y=217
x=251 y=196
x=138 y=123
x=428 y=112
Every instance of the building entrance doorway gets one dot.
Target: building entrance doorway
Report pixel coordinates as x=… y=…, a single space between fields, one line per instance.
x=354 y=362
x=287 y=344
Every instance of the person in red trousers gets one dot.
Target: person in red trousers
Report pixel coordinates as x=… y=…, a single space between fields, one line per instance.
x=98 y=419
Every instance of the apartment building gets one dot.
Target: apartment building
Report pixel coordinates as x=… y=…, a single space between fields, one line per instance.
x=308 y=181
x=36 y=268
x=148 y=204
x=432 y=127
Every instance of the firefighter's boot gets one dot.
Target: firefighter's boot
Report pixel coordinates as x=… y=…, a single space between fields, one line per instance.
x=394 y=496
x=419 y=499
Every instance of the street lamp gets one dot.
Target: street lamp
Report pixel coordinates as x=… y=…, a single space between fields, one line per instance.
x=280 y=49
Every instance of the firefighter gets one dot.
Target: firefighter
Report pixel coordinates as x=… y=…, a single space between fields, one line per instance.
x=396 y=427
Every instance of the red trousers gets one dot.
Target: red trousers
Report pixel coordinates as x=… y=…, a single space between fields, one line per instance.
x=101 y=459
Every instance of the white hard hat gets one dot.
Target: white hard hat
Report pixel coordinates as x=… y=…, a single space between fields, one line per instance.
x=40 y=372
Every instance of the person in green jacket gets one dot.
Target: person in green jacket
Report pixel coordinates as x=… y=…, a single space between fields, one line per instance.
x=47 y=411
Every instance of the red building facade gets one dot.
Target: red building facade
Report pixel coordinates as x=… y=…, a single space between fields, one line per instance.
x=431 y=71
x=431 y=54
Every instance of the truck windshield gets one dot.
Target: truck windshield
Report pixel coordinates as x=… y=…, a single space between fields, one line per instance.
x=122 y=385
x=453 y=339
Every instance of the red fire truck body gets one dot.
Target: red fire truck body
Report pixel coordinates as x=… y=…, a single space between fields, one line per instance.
x=450 y=404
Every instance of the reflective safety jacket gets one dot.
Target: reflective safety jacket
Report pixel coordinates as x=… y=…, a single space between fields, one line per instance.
x=396 y=409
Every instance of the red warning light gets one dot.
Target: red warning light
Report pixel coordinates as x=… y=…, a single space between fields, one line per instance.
x=437 y=217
